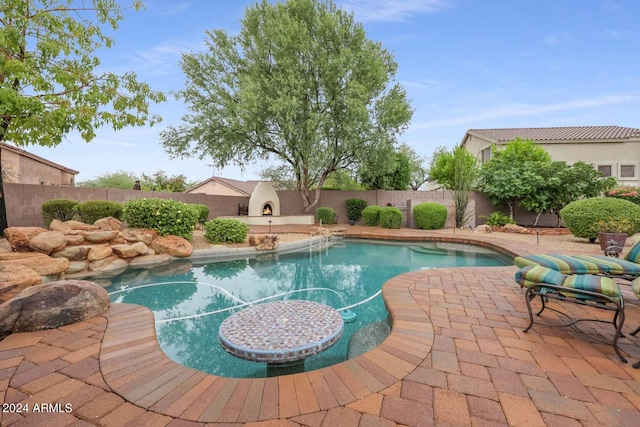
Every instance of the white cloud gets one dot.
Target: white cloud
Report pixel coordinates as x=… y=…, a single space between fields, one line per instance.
x=392 y=10
x=522 y=110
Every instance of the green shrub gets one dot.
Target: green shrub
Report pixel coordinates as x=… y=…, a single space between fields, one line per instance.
x=498 y=219
x=166 y=216
x=355 y=207
x=581 y=217
x=390 y=217
x=61 y=209
x=631 y=194
x=371 y=215
x=225 y=230
x=91 y=211
x=203 y=212
x=430 y=216
x=326 y=215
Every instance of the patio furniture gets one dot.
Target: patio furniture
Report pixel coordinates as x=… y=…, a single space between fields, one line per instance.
x=585 y=289
x=627 y=268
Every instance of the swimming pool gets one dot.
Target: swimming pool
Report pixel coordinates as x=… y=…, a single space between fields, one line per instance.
x=189 y=307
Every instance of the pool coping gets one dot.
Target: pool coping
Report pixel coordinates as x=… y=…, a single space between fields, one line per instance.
x=134 y=366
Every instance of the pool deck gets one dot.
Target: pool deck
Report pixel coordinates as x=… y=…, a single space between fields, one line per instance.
x=456 y=356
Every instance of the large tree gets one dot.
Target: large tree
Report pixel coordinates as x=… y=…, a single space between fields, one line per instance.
x=51 y=81
x=300 y=84
x=515 y=172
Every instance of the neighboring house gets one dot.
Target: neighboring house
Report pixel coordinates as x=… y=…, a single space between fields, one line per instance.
x=613 y=150
x=218 y=186
x=21 y=167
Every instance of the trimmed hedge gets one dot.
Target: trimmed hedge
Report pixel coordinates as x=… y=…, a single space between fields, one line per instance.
x=225 y=230
x=581 y=216
x=371 y=215
x=62 y=209
x=326 y=215
x=430 y=216
x=91 y=211
x=166 y=216
x=203 y=212
x=355 y=207
x=390 y=217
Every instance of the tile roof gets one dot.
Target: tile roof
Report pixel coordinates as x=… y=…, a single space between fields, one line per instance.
x=241 y=186
x=584 y=133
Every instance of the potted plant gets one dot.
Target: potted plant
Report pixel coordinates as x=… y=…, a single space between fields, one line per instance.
x=613 y=231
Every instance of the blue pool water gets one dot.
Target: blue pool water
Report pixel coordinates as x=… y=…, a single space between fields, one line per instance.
x=190 y=305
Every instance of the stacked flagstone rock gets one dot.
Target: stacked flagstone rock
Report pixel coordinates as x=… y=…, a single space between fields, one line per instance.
x=66 y=251
x=72 y=249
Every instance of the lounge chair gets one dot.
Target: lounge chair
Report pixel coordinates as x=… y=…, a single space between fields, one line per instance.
x=627 y=268
x=584 y=289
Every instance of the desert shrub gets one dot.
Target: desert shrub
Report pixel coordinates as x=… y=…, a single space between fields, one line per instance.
x=166 y=216
x=203 y=212
x=326 y=215
x=498 y=219
x=631 y=194
x=371 y=215
x=390 y=217
x=91 y=211
x=355 y=207
x=582 y=216
x=225 y=230
x=61 y=209
x=430 y=216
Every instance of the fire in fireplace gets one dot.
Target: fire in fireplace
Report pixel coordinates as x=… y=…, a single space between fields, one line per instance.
x=267 y=210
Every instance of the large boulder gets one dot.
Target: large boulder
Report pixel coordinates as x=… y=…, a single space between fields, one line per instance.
x=513 y=228
x=100 y=236
x=264 y=242
x=77 y=225
x=144 y=235
x=44 y=265
x=57 y=225
x=47 y=242
x=19 y=237
x=130 y=251
x=15 y=278
x=52 y=305
x=145 y=261
x=172 y=245
x=109 y=224
x=99 y=252
x=73 y=253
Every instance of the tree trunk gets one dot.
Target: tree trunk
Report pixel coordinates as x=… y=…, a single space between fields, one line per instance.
x=535 y=223
x=3 y=205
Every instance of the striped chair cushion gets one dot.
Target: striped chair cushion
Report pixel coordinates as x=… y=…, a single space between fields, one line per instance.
x=635 y=286
x=634 y=254
x=613 y=266
x=536 y=274
x=602 y=285
x=563 y=263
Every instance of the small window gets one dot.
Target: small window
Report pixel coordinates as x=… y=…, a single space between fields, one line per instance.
x=486 y=154
x=605 y=169
x=627 y=171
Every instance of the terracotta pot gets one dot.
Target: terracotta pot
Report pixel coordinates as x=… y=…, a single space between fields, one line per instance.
x=605 y=239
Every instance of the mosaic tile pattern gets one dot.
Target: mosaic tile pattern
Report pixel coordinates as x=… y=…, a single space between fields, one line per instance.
x=281 y=331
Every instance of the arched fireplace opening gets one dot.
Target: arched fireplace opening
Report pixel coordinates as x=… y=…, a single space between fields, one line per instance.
x=267 y=209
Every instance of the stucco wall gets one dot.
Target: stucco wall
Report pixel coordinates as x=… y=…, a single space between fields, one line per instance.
x=615 y=154
x=24 y=170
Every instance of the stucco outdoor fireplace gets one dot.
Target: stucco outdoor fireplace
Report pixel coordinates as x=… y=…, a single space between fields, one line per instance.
x=264 y=209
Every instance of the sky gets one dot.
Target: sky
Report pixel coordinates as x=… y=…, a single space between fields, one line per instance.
x=465 y=64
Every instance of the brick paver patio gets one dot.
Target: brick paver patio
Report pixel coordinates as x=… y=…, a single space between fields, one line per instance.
x=456 y=356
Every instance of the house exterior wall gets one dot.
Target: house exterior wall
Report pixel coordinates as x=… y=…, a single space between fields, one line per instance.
x=614 y=154
x=25 y=170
